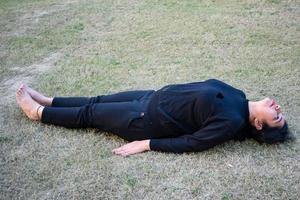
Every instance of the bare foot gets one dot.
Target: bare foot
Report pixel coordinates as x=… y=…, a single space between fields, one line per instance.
x=27 y=104
x=38 y=97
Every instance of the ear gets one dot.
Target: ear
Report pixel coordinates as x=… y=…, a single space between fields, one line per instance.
x=258 y=124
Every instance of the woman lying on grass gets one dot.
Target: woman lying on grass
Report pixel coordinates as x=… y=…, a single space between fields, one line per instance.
x=177 y=118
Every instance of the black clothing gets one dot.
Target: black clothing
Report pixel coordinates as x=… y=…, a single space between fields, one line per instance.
x=197 y=116
x=121 y=113
x=177 y=118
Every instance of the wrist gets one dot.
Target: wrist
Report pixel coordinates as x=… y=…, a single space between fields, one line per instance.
x=147 y=145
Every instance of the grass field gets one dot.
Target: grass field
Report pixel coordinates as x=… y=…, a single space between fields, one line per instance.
x=87 y=48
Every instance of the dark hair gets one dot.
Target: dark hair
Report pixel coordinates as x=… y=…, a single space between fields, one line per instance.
x=272 y=135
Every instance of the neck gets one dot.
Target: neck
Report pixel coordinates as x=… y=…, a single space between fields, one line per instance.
x=252 y=112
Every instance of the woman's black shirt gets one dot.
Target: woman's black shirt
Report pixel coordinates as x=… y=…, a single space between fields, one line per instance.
x=196 y=116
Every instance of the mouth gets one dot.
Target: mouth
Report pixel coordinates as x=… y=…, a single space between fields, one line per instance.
x=280 y=118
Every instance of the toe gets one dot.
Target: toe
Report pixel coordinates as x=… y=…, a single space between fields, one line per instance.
x=22 y=91
x=25 y=86
x=20 y=86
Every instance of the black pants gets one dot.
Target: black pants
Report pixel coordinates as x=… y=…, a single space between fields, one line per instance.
x=121 y=113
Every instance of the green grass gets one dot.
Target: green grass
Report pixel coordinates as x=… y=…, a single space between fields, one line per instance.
x=110 y=46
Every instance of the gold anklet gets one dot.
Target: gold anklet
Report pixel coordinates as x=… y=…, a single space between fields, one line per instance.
x=37 y=112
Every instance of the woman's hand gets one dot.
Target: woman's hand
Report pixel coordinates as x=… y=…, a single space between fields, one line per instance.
x=132 y=148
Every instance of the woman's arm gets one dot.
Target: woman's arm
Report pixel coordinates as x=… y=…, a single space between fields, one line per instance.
x=215 y=133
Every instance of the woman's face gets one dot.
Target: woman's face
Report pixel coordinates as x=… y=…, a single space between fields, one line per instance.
x=270 y=113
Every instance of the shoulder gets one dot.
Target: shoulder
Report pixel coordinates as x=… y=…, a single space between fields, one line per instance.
x=225 y=86
x=235 y=122
x=231 y=120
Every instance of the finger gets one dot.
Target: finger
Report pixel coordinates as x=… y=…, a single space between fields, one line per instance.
x=19 y=92
x=123 y=153
x=119 y=148
x=128 y=153
x=118 y=151
x=126 y=146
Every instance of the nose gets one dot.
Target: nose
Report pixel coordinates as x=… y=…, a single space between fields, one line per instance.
x=277 y=108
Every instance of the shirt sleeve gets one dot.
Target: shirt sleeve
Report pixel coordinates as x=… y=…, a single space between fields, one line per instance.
x=214 y=133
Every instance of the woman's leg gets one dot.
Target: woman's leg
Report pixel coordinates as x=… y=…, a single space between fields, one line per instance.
x=124 y=119
x=117 y=97
x=81 y=101
x=115 y=117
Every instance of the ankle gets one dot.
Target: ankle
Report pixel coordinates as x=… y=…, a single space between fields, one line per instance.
x=39 y=112
x=46 y=101
x=49 y=101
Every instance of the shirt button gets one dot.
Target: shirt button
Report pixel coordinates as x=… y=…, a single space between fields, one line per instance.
x=142 y=114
